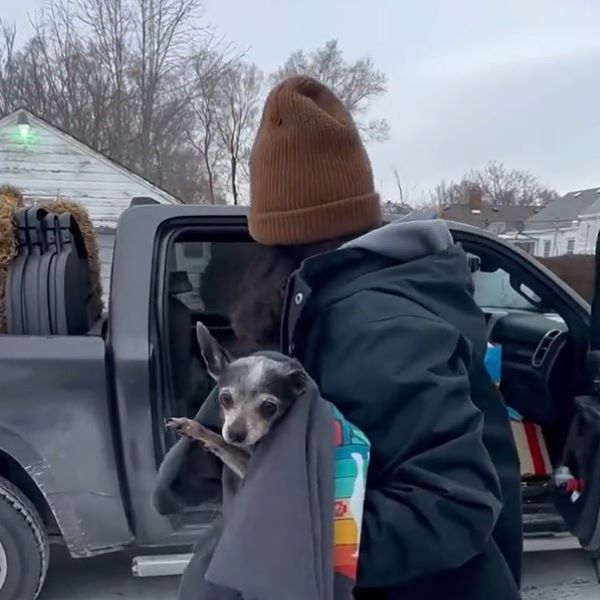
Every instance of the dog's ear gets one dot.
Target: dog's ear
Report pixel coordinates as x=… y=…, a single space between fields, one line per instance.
x=297 y=378
x=214 y=355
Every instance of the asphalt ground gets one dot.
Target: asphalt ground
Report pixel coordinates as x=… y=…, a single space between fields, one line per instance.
x=565 y=575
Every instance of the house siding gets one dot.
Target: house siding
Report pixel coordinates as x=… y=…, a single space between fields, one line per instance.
x=584 y=235
x=558 y=239
x=106 y=242
x=589 y=229
x=52 y=164
x=574 y=217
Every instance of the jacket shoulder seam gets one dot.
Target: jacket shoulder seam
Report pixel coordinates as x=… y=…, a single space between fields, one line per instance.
x=433 y=318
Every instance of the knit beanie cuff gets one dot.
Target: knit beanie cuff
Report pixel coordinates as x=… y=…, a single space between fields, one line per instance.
x=316 y=223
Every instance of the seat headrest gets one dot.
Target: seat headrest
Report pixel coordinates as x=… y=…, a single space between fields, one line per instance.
x=179 y=282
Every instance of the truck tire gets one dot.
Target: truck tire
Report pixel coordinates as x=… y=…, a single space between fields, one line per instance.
x=24 y=549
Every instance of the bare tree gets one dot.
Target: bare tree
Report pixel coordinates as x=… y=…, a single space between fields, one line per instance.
x=203 y=136
x=239 y=89
x=500 y=186
x=547 y=195
x=203 y=132
x=164 y=29
x=119 y=75
x=503 y=186
x=401 y=205
x=8 y=73
x=111 y=26
x=75 y=86
x=357 y=84
x=402 y=193
x=445 y=194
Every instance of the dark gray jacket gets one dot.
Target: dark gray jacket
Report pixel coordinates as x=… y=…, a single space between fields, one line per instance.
x=388 y=328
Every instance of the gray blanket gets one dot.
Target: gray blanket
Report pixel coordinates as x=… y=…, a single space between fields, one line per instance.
x=274 y=540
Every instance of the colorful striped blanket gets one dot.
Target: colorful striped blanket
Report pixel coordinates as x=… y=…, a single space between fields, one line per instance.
x=352 y=452
x=529 y=438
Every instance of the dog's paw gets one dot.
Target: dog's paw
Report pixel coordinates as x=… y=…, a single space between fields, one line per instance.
x=194 y=430
x=182 y=426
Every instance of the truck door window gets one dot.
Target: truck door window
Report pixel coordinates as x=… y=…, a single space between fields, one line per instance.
x=494 y=290
x=192 y=258
x=201 y=284
x=213 y=270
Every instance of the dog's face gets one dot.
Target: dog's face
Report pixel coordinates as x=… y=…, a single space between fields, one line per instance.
x=254 y=392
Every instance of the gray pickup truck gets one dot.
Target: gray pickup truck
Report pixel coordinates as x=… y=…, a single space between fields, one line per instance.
x=82 y=408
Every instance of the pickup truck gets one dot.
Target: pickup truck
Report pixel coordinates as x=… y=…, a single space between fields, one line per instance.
x=82 y=412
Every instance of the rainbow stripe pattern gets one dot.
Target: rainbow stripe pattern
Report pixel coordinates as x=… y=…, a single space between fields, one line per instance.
x=352 y=452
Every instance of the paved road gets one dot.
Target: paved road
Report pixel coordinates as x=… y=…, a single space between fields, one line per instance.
x=104 y=578
x=548 y=576
x=559 y=576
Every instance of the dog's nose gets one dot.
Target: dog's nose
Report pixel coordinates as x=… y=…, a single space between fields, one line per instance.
x=237 y=436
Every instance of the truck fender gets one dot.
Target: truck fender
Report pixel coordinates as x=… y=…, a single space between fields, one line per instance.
x=37 y=469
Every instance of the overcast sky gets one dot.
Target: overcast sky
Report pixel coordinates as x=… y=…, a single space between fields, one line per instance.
x=469 y=80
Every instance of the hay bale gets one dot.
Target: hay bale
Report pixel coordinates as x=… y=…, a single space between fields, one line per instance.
x=11 y=201
x=80 y=214
x=11 y=191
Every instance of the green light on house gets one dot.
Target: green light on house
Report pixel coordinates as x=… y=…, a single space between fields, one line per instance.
x=24 y=128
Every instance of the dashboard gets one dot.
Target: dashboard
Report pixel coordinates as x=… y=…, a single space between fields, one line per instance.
x=533 y=359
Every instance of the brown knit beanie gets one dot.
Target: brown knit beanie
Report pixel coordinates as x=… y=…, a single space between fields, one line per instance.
x=310 y=176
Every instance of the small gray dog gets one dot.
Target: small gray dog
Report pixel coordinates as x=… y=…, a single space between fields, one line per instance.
x=255 y=392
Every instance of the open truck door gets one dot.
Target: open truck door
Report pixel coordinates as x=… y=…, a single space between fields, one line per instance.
x=577 y=479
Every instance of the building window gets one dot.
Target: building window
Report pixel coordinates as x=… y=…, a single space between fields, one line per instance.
x=570 y=245
x=528 y=247
x=497 y=228
x=547 y=247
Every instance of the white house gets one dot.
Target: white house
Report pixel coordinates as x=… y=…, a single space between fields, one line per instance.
x=44 y=163
x=569 y=225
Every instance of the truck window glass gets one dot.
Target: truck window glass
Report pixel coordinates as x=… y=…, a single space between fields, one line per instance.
x=201 y=285
x=213 y=270
x=493 y=290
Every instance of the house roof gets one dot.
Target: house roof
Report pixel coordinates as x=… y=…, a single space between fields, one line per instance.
x=161 y=195
x=511 y=216
x=594 y=207
x=566 y=209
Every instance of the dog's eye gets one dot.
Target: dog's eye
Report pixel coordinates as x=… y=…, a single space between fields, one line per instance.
x=226 y=400
x=268 y=409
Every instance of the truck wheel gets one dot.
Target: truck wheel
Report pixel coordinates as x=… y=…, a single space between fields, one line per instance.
x=24 y=550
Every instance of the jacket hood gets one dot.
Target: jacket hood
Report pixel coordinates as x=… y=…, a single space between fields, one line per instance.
x=415 y=259
x=406 y=239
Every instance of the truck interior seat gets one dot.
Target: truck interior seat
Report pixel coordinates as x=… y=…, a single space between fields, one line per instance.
x=220 y=290
x=180 y=336
x=218 y=285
